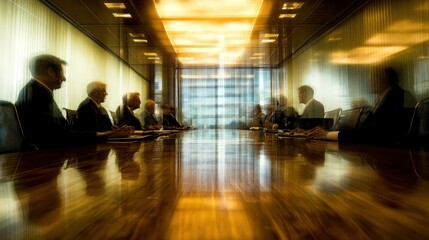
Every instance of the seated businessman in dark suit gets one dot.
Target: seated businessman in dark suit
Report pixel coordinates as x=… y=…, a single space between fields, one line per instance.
x=173 y=115
x=168 y=120
x=258 y=117
x=148 y=118
x=387 y=122
x=313 y=110
x=270 y=118
x=41 y=119
x=130 y=102
x=91 y=116
x=286 y=116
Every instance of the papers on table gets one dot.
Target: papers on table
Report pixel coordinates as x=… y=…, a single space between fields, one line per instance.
x=152 y=132
x=129 y=138
x=291 y=134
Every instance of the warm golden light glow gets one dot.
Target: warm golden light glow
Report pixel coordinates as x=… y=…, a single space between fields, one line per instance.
x=187 y=58
x=292 y=5
x=402 y=32
x=268 y=40
x=201 y=212
x=270 y=37
x=115 y=5
x=365 y=55
x=397 y=37
x=408 y=26
x=122 y=15
x=287 y=15
x=423 y=7
x=334 y=39
x=140 y=40
x=137 y=35
x=198 y=28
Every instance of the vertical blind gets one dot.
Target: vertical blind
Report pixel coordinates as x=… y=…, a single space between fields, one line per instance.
x=338 y=64
x=30 y=28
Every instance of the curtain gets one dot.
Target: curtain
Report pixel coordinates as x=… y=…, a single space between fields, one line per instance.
x=30 y=28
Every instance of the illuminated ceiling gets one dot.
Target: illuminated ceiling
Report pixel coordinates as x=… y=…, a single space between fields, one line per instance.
x=202 y=33
x=206 y=31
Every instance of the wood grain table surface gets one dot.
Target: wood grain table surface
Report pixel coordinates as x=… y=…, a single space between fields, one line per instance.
x=215 y=184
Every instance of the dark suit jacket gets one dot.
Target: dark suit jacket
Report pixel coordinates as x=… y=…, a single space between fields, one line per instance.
x=279 y=118
x=169 y=120
x=149 y=120
x=385 y=124
x=42 y=120
x=291 y=117
x=127 y=117
x=92 y=118
x=314 y=111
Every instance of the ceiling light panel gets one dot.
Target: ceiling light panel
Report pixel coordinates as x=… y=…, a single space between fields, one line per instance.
x=207 y=8
x=202 y=26
x=122 y=15
x=287 y=15
x=292 y=5
x=137 y=35
x=140 y=40
x=115 y=5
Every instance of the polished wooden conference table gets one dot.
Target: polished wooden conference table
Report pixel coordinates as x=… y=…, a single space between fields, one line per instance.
x=216 y=184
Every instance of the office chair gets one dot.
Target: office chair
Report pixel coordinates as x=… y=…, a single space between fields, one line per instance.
x=113 y=117
x=348 y=119
x=413 y=130
x=11 y=135
x=418 y=131
x=71 y=116
x=334 y=115
x=423 y=111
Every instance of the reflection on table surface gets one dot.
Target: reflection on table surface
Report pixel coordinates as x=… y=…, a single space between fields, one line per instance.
x=216 y=184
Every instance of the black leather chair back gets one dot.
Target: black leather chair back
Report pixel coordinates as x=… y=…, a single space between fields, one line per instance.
x=71 y=116
x=11 y=134
x=348 y=119
x=334 y=115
